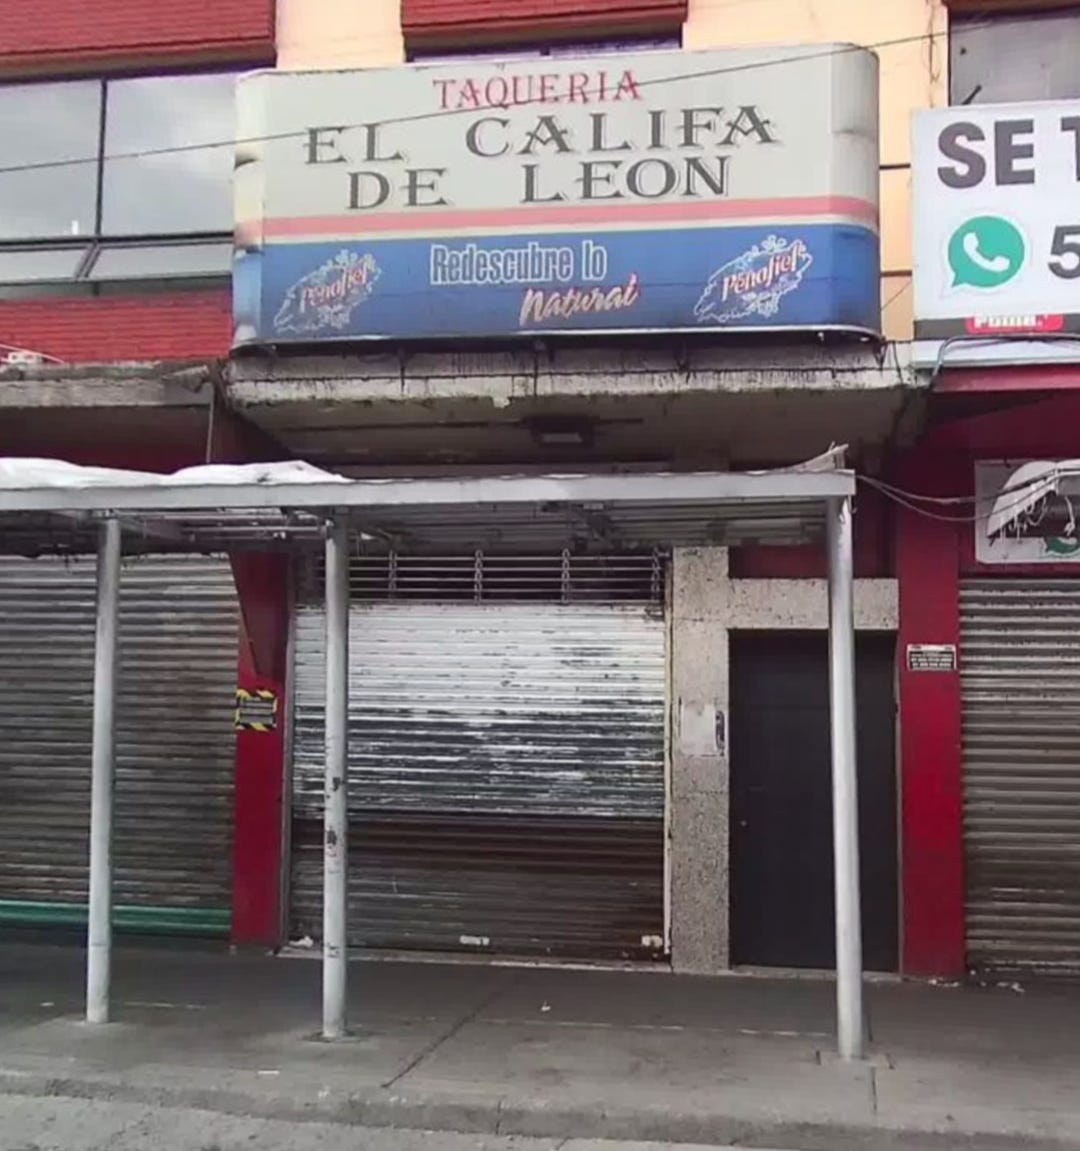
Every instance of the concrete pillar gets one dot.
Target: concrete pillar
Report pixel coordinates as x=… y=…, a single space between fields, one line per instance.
x=699 y=793
x=329 y=34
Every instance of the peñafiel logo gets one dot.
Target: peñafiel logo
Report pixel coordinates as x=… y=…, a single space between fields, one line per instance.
x=754 y=283
x=326 y=297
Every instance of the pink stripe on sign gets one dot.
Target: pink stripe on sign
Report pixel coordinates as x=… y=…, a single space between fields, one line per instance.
x=571 y=215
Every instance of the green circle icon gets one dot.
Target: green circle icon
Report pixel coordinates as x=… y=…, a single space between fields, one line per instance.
x=985 y=252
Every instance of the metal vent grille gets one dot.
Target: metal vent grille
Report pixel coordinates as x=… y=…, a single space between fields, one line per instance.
x=483 y=577
x=1020 y=684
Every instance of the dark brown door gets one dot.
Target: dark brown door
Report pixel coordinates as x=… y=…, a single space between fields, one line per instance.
x=781 y=801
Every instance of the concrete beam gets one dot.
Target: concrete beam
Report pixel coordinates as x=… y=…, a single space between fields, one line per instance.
x=107 y=386
x=506 y=377
x=803 y=604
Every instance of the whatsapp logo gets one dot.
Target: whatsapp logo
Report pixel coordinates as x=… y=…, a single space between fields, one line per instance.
x=985 y=252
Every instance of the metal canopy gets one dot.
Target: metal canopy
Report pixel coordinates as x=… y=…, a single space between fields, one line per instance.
x=52 y=506
x=664 y=509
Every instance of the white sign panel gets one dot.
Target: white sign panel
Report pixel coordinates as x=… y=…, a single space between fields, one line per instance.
x=996 y=205
x=1051 y=539
x=931 y=657
x=661 y=191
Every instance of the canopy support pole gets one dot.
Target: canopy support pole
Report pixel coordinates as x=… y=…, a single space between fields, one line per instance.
x=845 y=800
x=336 y=818
x=102 y=770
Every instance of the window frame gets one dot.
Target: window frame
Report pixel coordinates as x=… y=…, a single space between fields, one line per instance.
x=511 y=50
x=83 y=281
x=966 y=19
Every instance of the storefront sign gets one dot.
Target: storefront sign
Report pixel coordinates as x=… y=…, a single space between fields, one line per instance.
x=1049 y=535
x=931 y=657
x=656 y=191
x=255 y=710
x=997 y=226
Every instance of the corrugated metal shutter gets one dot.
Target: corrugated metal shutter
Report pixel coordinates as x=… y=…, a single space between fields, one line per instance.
x=1020 y=677
x=175 y=741
x=506 y=770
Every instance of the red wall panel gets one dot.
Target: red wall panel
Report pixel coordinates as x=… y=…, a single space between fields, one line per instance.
x=873 y=532
x=262 y=585
x=1044 y=427
x=187 y=325
x=931 y=558
x=456 y=21
x=931 y=792
x=64 y=34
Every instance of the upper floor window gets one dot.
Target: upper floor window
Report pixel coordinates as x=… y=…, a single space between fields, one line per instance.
x=517 y=52
x=1014 y=58
x=448 y=24
x=116 y=179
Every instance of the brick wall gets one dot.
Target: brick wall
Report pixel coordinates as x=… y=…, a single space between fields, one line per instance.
x=167 y=326
x=63 y=35
x=457 y=21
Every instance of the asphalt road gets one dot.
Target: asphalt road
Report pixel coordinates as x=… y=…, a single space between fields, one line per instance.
x=55 y=1124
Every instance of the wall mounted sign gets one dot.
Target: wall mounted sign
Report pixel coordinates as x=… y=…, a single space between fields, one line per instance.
x=255 y=710
x=703 y=191
x=996 y=209
x=931 y=657
x=1050 y=536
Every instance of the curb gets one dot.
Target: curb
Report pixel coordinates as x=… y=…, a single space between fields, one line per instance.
x=517 y=1117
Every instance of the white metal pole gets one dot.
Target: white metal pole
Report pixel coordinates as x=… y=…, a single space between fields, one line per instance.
x=99 y=931
x=849 y=990
x=335 y=832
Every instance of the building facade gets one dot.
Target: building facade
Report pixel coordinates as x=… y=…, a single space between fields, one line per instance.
x=987 y=752
x=595 y=754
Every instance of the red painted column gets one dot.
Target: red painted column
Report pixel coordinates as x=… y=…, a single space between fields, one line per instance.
x=258 y=822
x=930 y=762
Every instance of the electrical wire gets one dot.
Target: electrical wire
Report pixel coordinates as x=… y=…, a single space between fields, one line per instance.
x=897 y=294
x=901 y=498
x=892 y=489
x=175 y=149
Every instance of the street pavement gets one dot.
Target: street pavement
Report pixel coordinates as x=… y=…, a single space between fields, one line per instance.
x=80 y=1125
x=558 y=1055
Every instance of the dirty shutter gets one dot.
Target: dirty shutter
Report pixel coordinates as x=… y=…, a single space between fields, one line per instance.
x=1020 y=682
x=506 y=773
x=174 y=742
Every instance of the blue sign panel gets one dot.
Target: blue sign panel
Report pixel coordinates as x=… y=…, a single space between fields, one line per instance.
x=739 y=278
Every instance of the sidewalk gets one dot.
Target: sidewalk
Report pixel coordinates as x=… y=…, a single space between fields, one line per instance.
x=621 y=1055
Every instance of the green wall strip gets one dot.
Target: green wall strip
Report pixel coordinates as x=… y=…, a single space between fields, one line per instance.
x=164 y=920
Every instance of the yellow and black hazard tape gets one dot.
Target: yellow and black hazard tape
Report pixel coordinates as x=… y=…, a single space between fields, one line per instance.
x=255 y=710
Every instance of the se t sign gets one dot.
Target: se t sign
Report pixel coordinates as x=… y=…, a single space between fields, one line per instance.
x=997 y=220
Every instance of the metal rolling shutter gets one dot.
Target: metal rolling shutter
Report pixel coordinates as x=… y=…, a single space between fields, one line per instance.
x=175 y=742
x=1020 y=682
x=506 y=768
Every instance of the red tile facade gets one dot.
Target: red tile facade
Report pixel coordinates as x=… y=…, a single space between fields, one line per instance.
x=69 y=35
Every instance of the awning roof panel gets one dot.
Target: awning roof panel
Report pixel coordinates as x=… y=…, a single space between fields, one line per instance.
x=47 y=506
